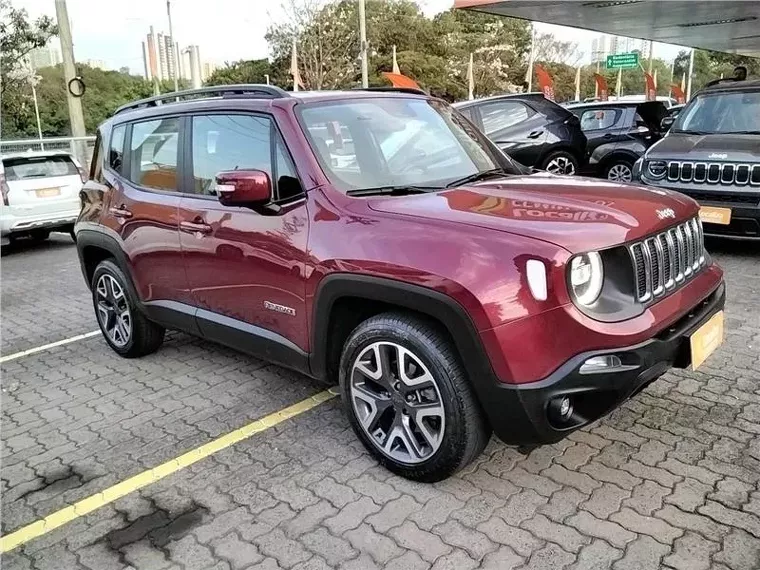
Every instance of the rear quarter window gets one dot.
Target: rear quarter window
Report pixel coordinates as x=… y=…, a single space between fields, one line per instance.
x=27 y=168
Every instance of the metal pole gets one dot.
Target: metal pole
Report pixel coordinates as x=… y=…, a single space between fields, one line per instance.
x=596 y=85
x=691 y=71
x=651 y=55
x=37 y=113
x=174 y=45
x=76 y=118
x=363 y=42
x=532 y=57
x=266 y=76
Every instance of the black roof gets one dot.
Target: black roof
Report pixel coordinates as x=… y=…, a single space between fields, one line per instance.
x=592 y=104
x=730 y=84
x=532 y=96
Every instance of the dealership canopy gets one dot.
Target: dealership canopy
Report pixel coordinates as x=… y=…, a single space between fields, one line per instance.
x=728 y=26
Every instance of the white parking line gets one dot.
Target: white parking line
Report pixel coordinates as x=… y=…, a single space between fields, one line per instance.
x=36 y=349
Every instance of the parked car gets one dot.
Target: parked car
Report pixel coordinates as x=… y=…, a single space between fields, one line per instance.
x=618 y=133
x=531 y=129
x=667 y=101
x=712 y=154
x=448 y=294
x=40 y=194
x=675 y=110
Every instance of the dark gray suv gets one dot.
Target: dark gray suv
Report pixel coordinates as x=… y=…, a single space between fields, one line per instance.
x=712 y=154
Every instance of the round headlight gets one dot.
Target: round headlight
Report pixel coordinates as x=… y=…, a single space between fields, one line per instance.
x=657 y=168
x=586 y=277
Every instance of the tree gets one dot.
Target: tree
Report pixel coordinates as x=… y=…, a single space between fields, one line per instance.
x=250 y=71
x=550 y=49
x=18 y=36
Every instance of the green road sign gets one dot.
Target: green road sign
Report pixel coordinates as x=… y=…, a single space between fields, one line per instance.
x=623 y=60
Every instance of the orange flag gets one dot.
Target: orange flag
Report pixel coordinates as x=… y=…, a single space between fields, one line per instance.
x=678 y=93
x=601 y=84
x=651 y=90
x=399 y=80
x=545 y=82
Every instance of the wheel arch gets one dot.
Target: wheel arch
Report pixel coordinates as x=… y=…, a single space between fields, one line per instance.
x=342 y=301
x=561 y=146
x=94 y=247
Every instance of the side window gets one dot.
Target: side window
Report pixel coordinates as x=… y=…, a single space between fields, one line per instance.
x=595 y=119
x=116 y=148
x=287 y=183
x=153 y=154
x=467 y=112
x=229 y=142
x=500 y=115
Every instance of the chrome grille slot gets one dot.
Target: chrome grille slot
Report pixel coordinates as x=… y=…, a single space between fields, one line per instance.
x=723 y=173
x=668 y=259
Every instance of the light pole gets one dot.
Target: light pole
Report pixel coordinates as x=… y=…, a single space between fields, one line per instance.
x=174 y=44
x=691 y=71
x=76 y=118
x=363 y=41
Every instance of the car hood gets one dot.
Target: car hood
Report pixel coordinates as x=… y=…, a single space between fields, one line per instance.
x=578 y=214
x=731 y=148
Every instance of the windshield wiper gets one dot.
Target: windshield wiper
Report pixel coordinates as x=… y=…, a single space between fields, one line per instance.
x=742 y=133
x=477 y=176
x=687 y=132
x=392 y=190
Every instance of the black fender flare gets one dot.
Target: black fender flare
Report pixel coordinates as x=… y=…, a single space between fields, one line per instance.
x=439 y=306
x=91 y=238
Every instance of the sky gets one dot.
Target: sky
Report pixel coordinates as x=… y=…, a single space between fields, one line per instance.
x=224 y=30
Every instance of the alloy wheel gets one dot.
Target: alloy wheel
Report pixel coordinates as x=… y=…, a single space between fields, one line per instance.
x=113 y=310
x=561 y=165
x=397 y=402
x=620 y=173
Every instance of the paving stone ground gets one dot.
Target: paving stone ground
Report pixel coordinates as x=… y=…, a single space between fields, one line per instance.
x=670 y=480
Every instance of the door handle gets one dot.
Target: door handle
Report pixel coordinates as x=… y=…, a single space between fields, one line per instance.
x=120 y=212
x=196 y=226
x=535 y=134
x=607 y=136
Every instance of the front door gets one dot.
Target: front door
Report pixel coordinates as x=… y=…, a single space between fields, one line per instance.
x=245 y=267
x=516 y=128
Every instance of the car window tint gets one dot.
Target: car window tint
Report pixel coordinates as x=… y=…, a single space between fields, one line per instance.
x=116 y=149
x=500 y=115
x=153 y=154
x=228 y=142
x=25 y=168
x=287 y=183
x=595 y=119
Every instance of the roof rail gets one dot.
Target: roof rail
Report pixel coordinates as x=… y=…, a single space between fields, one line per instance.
x=396 y=89
x=715 y=82
x=242 y=90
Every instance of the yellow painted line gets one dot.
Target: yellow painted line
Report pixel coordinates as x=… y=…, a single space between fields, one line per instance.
x=80 y=508
x=37 y=349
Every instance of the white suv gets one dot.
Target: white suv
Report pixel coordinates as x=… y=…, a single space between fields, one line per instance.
x=40 y=194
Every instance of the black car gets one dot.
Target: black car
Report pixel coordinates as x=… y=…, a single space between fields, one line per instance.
x=712 y=154
x=618 y=133
x=531 y=129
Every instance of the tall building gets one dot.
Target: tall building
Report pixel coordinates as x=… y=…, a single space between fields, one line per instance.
x=150 y=57
x=196 y=77
x=99 y=63
x=599 y=48
x=158 y=56
x=208 y=68
x=604 y=45
x=46 y=56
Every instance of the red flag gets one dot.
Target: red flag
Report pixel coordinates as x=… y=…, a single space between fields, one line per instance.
x=651 y=90
x=678 y=93
x=399 y=80
x=545 y=82
x=601 y=84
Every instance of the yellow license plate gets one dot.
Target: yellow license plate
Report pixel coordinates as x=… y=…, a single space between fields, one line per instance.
x=707 y=338
x=48 y=192
x=710 y=215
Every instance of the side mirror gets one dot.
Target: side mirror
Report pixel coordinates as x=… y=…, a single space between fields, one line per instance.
x=667 y=122
x=244 y=188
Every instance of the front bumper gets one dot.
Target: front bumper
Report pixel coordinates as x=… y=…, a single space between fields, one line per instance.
x=520 y=413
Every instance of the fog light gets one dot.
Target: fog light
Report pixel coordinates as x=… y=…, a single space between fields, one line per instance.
x=560 y=409
x=598 y=364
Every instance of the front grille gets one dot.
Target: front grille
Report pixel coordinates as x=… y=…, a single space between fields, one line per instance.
x=665 y=261
x=728 y=198
x=719 y=173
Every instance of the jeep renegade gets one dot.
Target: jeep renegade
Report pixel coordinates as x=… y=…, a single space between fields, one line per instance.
x=378 y=239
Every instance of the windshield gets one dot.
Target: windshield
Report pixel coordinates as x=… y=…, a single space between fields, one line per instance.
x=724 y=113
x=396 y=142
x=22 y=168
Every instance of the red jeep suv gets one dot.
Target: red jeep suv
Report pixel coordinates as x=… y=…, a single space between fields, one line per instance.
x=377 y=238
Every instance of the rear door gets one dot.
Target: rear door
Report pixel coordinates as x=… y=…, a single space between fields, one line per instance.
x=602 y=126
x=141 y=205
x=516 y=128
x=42 y=184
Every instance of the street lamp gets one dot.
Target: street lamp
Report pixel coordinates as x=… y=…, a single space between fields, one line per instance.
x=26 y=73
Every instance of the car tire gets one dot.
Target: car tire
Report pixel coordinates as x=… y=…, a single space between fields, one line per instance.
x=424 y=423
x=560 y=162
x=126 y=329
x=619 y=170
x=39 y=235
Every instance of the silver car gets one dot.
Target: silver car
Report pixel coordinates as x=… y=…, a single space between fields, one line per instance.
x=40 y=194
